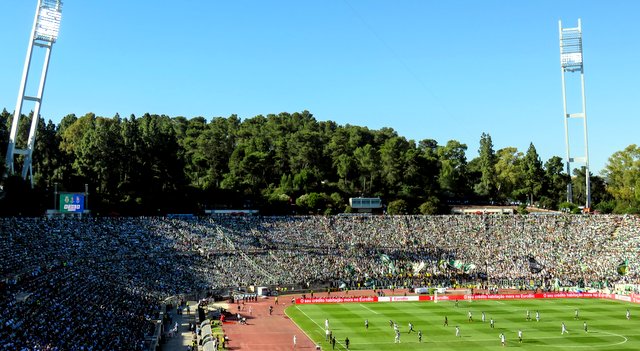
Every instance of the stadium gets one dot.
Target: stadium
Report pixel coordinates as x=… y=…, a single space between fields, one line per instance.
x=104 y=283
x=283 y=232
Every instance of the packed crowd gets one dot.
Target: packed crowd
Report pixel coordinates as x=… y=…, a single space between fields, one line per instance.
x=75 y=285
x=95 y=284
x=548 y=249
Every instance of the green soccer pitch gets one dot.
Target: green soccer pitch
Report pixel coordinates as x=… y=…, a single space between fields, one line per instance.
x=608 y=327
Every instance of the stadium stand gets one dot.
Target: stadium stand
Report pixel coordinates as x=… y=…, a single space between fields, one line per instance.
x=97 y=283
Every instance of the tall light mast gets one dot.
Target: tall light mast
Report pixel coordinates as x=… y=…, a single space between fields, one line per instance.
x=571 y=60
x=46 y=26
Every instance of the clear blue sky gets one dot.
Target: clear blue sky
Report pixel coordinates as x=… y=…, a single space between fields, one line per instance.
x=428 y=69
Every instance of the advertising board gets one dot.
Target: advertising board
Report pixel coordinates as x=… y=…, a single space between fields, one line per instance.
x=71 y=202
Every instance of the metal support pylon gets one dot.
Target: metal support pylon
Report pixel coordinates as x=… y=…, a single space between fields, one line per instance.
x=571 y=61
x=45 y=30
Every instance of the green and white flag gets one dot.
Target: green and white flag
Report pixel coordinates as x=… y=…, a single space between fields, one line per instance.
x=623 y=267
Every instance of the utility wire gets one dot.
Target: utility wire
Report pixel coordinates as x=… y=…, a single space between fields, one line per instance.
x=397 y=57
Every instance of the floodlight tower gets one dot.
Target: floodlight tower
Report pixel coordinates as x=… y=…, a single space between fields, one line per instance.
x=46 y=26
x=571 y=60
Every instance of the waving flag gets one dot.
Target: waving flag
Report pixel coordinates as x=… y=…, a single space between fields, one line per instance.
x=623 y=267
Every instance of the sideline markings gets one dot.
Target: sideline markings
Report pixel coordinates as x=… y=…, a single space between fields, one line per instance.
x=319 y=326
x=367 y=308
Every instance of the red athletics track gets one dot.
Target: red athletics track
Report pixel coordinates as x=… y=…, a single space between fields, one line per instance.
x=272 y=333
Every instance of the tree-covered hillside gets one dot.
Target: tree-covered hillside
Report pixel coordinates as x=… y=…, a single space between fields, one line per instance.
x=285 y=163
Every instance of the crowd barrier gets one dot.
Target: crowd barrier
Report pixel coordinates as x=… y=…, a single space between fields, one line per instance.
x=635 y=298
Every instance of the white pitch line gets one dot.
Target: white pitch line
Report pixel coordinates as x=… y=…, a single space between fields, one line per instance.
x=462 y=340
x=319 y=326
x=305 y=333
x=367 y=308
x=603 y=332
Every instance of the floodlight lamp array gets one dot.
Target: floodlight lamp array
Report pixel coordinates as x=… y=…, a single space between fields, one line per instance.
x=48 y=23
x=571 y=49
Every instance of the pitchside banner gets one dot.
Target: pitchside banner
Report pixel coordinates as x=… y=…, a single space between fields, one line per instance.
x=556 y=295
x=71 y=202
x=337 y=299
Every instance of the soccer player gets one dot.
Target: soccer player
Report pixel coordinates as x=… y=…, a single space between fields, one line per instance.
x=366 y=324
x=577 y=314
x=446 y=321
x=564 y=329
x=346 y=342
x=470 y=316
x=457 y=331
x=419 y=335
x=410 y=328
x=528 y=315
x=537 y=316
x=628 y=314
x=502 y=339
x=491 y=323
x=584 y=325
x=483 y=317
x=397 y=339
x=326 y=323
x=520 y=336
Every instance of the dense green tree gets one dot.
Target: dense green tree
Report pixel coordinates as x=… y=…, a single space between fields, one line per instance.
x=338 y=145
x=214 y=148
x=473 y=176
x=555 y=181
x=597 y=187
x=392 y=162
x=414 y=184
x=72 y=133
x=305 y=181
x=286 y=185
x=509 y=173
x=161 y=171
x=347 y=170
x=130 y=180
x=5 y=117
x=486 y=187
x=622 y=174
x=64 y=172
x=359 y=137
x=533 y=175
x=195 y=161
x=367 y=159
x=430 y=169
x=431 y=206
x=142 y=165
x=398 y=207
x=453 y=169
x=313 y=202
x=47 y=156
x=305 y=151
